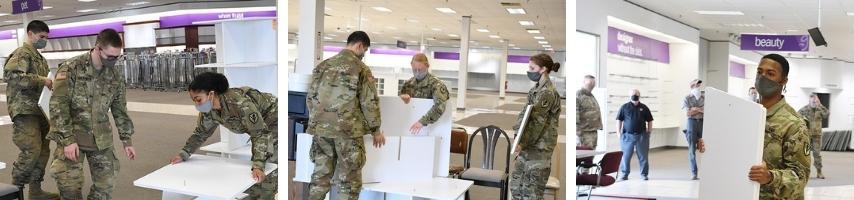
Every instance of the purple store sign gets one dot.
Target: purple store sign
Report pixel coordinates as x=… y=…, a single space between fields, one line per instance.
x=5 y=35
x=518 y=59
x=737 y=69
x=633 y=45
x=332 y=48
x=400 y=52
x=23 y=6
x=85 y=30
x=446 y=55
x=188 y=19
x=775 y=42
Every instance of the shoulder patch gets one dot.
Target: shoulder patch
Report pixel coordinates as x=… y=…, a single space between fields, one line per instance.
x=253 y=118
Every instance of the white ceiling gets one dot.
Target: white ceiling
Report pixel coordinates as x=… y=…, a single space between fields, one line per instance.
x=342 y=17
x=776 y=17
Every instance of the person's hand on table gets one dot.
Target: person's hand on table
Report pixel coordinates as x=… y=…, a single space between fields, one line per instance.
x=405 y=98
x=258 y=175
x=379 y=140
x=176 y=159
x=415 y=128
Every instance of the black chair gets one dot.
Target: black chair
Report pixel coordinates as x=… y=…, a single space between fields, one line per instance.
x=610 y=163
x=486 y=175
x=10 y=192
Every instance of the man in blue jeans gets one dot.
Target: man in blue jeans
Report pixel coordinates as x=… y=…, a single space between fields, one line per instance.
x=693 y=104
x=635 y=125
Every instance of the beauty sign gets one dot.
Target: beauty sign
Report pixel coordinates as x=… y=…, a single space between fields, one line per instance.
x=775 y=42
x=637 y=46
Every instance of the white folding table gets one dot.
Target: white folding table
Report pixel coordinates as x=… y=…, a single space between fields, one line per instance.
x=438 y=188
x=205 y=177
x=242 y=153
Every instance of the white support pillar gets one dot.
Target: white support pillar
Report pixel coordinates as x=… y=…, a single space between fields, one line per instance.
x=502 y=71
x=22 y=32
x=310 y=35
x=462 y=80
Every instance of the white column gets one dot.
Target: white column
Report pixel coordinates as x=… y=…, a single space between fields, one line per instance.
x=462 y=80
x=310 y=35
x=502 y=71
x=717 y=71
x=22 y=33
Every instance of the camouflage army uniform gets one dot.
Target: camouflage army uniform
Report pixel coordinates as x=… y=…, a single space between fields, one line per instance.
x=533 y=165
x=815 y=117
x=244 y=110
x=431 y=87
x=26 y=71
x=79 y=107
x=785 y=153
x=588 y=118
x=343 y=106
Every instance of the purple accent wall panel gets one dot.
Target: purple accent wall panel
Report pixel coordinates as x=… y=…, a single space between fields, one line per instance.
x=518 y=59
x=401 y=52
x=332 y=48
x=446 y=55
x=637 y=46
x=737 y=70
x=5 y=35
x=85 y=30
x=188 y=19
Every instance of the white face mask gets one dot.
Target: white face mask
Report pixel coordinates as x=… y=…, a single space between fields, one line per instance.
x=696 y=92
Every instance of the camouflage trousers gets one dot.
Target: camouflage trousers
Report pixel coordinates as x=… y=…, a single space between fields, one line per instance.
x=342 y=157
x=267 y=189
x=29 y=133
x=815 y=147
x=103 y=165
x=530 y=174
x=587 y=138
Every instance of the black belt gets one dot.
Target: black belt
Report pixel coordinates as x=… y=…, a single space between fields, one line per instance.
x=695 y=119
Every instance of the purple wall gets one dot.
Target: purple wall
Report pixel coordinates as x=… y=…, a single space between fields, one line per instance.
x=85 y=30
x=737 y=70
x=5 y=35
x=188 y=19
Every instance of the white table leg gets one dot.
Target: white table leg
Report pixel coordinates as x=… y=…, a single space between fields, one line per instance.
x=176 y=196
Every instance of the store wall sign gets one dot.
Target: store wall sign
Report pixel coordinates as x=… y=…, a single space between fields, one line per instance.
x=188 y=19
x=24 y=6
x=85 y=30
x=446 y=55
x=775 y=42
x=637 y=46
x=518 y=59
x=400 y=52
x=737 y=70
x=6 y=35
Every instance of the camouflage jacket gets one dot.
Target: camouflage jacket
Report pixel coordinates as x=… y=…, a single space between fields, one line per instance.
x=81 y=100
x=244 y=110
x=342 y=98
x=541 y=128
x=814 y=117
x=786 y=153
x=588 y=117
x=25 y=71
x=431 y=87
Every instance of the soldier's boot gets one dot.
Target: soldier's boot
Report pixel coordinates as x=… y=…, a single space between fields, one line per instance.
x=37 y=193
x=819 y=175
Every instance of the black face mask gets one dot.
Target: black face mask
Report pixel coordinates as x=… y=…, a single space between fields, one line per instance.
x=635 y=98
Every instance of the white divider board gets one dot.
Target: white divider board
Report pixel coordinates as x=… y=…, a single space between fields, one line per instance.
x=727 y=161
x=521 y=128
x=402 y=158
x=397 y=117
x=44 y=99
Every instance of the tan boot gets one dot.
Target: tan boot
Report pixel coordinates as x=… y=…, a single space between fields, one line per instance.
x=36 y=193
x=819 y=175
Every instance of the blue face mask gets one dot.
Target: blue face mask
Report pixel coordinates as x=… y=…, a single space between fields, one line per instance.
x=206 y=106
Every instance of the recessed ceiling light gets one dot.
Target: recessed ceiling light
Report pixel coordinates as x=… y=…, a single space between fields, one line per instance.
x=512 y=45
x=850 y=13
x=446 y=10
x=516 y=48
x=543 y=42
x=501 y=41
x=718 y=12
x=396 y=38
x=516 y=11
x=453 y=35
x=47 y=16
x=86 y=10
x=526 y=23
x=494 y=36
x=430 y=39
x=86 y=0
x=547 y=46
x=412 y=20
x=3 y=14
x=137 y=3
x=549 y=49
x=327 y=38
x=382 y=9
x=327 y=8
x=391 y=27
x=378 y=33
x=443 y=42
x=331 y=35
x=46 y=7
x=10 y=21
x=436 y=29
x=482 y=30
x=533 y=31
x=539 y=37
x=791 y=30
x=413 y=41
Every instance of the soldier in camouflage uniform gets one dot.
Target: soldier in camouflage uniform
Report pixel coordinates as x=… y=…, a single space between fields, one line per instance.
x=26 y=73
x=588 y=118
x=88 y=88
x=784 y=172
x=343 y=107
x=425 y=85
x=534 y=153
x=815 y=112
x=242 y=110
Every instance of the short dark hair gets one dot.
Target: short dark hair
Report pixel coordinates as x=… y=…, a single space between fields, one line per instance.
x=589 y=77
x=109 y=37
x=359 y=36
x=209 y=81
x=781 y=60
x=752 y=88
x=37 y=26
